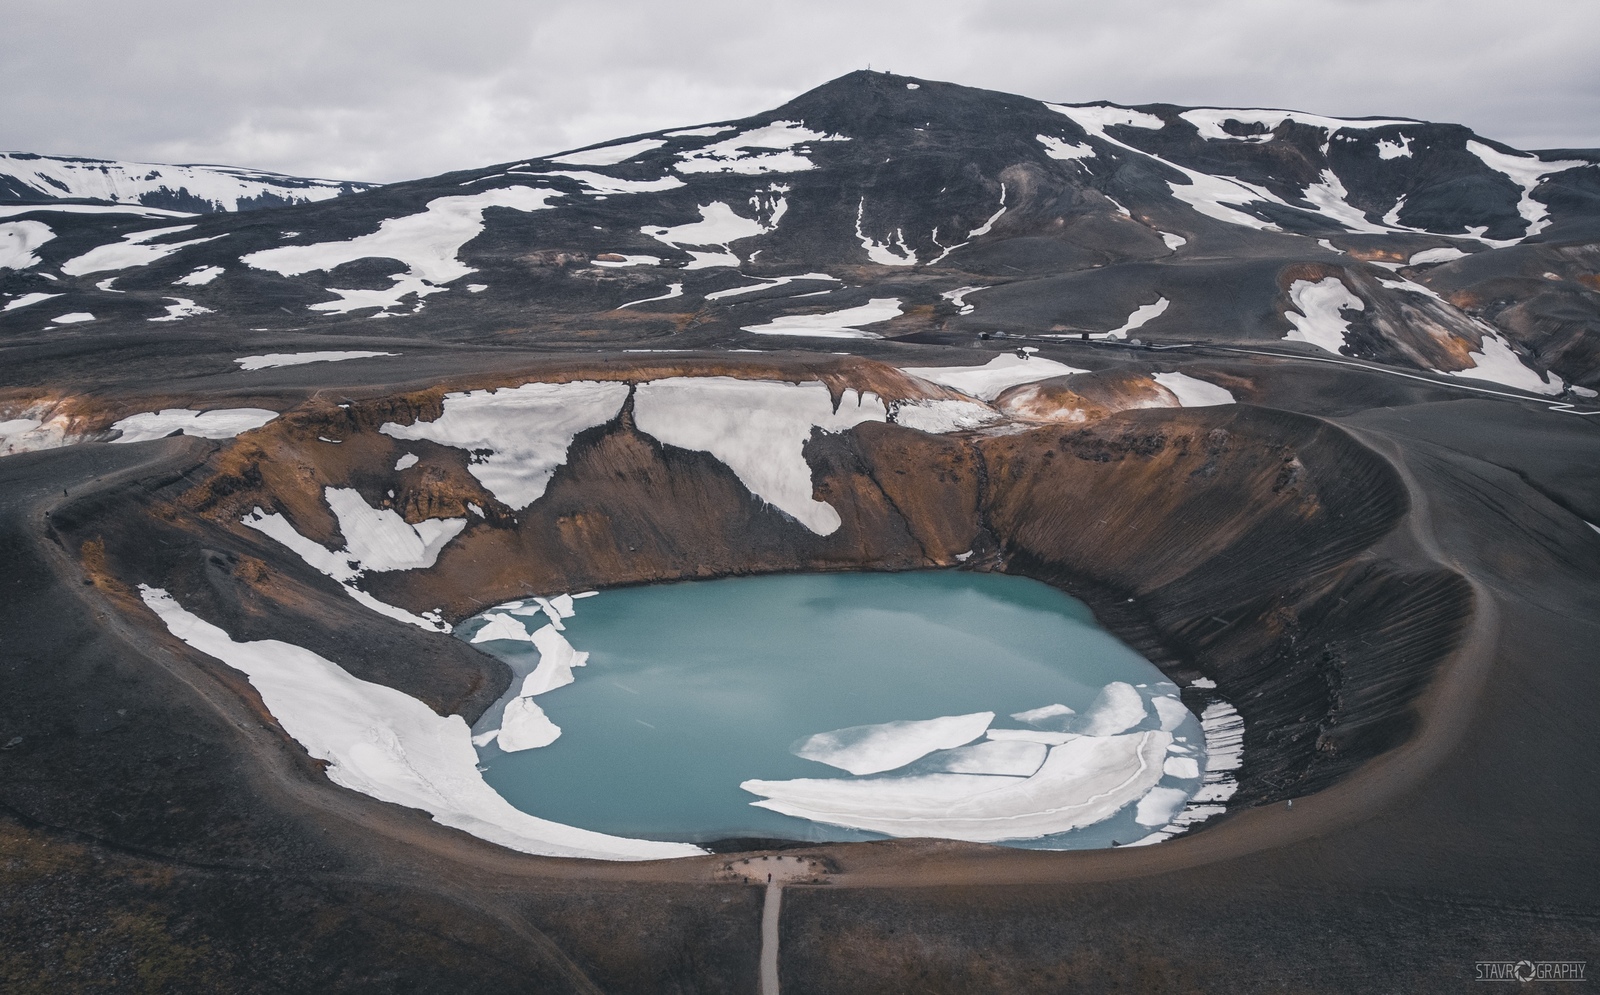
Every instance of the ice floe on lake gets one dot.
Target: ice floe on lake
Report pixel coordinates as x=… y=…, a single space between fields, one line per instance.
x=271 y=360
x=872 y=749
x=390 y=746
x=988 y=380
x=759 y=429
x=517 y=436
x=219 y=423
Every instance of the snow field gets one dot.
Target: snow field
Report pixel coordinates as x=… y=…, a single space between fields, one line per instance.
x=1319 y=320
x=987 y=381
x=759 y=429
x=273 y=360
x=219 y=423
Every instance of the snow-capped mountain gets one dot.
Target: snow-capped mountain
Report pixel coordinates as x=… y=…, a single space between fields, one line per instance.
x=194 y=189
x=883 y=206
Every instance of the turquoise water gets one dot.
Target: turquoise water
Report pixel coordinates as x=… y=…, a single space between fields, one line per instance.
x=692 y=688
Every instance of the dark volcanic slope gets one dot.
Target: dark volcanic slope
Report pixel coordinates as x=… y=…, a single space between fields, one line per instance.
x=1387 y=569
x=1070 y=217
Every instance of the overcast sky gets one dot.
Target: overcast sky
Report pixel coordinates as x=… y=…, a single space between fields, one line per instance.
x=404 y=88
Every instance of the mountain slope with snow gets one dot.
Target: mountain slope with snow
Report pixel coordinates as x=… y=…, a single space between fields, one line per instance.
x=880 y=207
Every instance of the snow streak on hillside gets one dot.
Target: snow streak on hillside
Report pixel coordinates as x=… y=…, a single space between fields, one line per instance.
x=196 y=188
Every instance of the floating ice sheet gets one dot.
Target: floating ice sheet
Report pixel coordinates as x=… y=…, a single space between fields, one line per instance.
x=388 y=745
x=133 y=250
x=943 y=415
x=872 y=749
x=1081 y=782
x=844 y=324
x=609 y=155
x=428 y=243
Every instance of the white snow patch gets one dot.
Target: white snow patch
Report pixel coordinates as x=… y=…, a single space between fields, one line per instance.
x=37 y=427
x=1116 y=709
x=939 y=416
x=626 y=260
x=1142 y=315
x=1174 y=242
x=843 y=324
x=477 y=288
x=1394 y=150
x=100 y=179
x=987 y=381
x=180 y=308
x=390 y=746
x=988 y=225
x=768 y=149
x=1012 y=758
x=1527 y=172
x=219 y=423
x=673 y=290
x=275 y=359
x=1209 y=121
x=1496 y=362
x=884 y=253
x=428 y=243
x=518 y=435
x=18 y=239
x=1443 y=254
x=27 y=299
x=133 y=250
x=12 y=210
x=199 y=277
x=759 y=428
x=1159 y=806
x=73 y=318
x=777 y=281
x=406 y=462
x=1081 y=782
x=1192 y=392
x=1319 y=321
x=1186 y=768
x=1060 y=148
x=872 y=749
x=718 y=226
x=609 y=155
